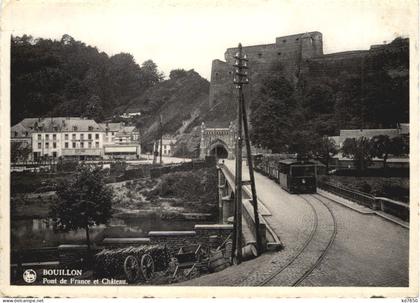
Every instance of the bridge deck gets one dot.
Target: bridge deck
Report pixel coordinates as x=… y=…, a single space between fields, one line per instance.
x=367 y=251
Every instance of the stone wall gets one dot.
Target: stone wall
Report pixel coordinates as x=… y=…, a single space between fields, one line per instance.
x=287 y=50
x=302 y=59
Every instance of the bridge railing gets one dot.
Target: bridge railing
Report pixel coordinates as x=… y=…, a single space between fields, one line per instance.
x=396 y=208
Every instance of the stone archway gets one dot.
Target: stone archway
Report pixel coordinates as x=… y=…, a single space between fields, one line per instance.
x=219 y=142
x=219 y=150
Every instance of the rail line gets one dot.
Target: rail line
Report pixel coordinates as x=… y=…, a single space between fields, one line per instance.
x=308 y=240
x=314 y=229
x=324 y=252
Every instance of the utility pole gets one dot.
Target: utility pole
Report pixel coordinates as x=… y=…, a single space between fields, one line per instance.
x=161 y=138
x=252 y=178
x=241 y=78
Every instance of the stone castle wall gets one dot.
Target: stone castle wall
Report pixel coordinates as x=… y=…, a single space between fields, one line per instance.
x=288 y=50
x=302 y=58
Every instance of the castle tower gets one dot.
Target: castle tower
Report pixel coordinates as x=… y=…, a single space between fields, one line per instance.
x=311 y=44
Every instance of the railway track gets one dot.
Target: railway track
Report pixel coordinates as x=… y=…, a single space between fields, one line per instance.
x=321 y=215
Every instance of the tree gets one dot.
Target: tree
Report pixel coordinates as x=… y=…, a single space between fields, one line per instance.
x=150 y=75
x=19 y=151
x=325 y=149
x=399 y=146
x=360 y=150
x=93 y=109
x=274 y=113
x=82 y=203
x=381 y=147
x=177 y=73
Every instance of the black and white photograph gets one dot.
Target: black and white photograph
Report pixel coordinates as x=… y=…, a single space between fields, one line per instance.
x=263 y=145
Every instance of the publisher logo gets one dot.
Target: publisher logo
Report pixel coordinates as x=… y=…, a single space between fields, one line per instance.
x=29 y=276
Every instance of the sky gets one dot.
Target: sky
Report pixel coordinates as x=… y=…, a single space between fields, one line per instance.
x=190 y=34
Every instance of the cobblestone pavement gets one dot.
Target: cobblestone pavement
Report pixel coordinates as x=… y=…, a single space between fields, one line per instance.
x=367 y=251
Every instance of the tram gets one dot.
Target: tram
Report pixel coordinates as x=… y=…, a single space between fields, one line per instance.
x=297 y=176
x=294 y=175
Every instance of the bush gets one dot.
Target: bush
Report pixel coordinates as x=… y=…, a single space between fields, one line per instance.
x=67 y=166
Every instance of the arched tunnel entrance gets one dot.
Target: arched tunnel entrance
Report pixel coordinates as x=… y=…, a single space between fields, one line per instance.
x=219 y=151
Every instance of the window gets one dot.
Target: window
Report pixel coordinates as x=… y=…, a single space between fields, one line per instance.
x=54 y=145
x=73 y=136
x=74 y=144
x=47 y=145
x=112 y=133
x=66 y=136
x=301 y=171
x=81 y=145
x=90 y=128
x=90 y=144
x=90 y=136
x=39 y=145
x=82 y=136
x=66 y=145
x=120 y=139
x=47 y=137
x=15 y=134
x=96 y=136
x=26 y=134
x=39 y=136
x=74 y=128
x=54 y=136
x=96 y=144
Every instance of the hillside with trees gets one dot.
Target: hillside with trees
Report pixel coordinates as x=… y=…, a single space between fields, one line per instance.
x=332 y=95
x=69 y=78
x=66 y=77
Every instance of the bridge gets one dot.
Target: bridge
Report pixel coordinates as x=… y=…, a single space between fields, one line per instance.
x=312 y=240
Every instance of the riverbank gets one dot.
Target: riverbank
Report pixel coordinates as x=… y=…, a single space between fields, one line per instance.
x=174 y=201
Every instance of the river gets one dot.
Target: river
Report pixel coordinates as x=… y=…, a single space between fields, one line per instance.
x=36 y=233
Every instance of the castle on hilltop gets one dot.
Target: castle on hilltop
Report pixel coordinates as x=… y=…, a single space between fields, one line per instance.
x=298 y=54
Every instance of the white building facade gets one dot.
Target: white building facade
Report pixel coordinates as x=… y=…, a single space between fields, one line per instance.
x=81 y=139
x=168 y=144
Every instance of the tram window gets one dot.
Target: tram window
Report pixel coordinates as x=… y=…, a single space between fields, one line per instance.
x=303 y=171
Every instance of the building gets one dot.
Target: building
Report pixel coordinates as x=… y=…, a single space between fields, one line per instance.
x=69 y=137
x=301 y=56
x=130 y=115
x=168 y=143
x=120 y=141
x=21 y=135
x=76 y=138
x=403 y=130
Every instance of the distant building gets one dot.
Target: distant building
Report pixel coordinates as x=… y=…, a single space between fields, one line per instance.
x=168 y=143
x=21 y=134
x=403 y=130
x=130 y=115
x=77 y=138
x=120 y=141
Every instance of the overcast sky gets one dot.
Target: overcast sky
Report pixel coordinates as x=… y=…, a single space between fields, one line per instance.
x=190 y=34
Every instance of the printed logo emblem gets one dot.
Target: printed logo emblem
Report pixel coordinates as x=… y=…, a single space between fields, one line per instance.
x=29 y=276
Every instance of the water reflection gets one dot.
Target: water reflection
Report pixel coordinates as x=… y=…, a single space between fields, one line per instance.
x=33 y=233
